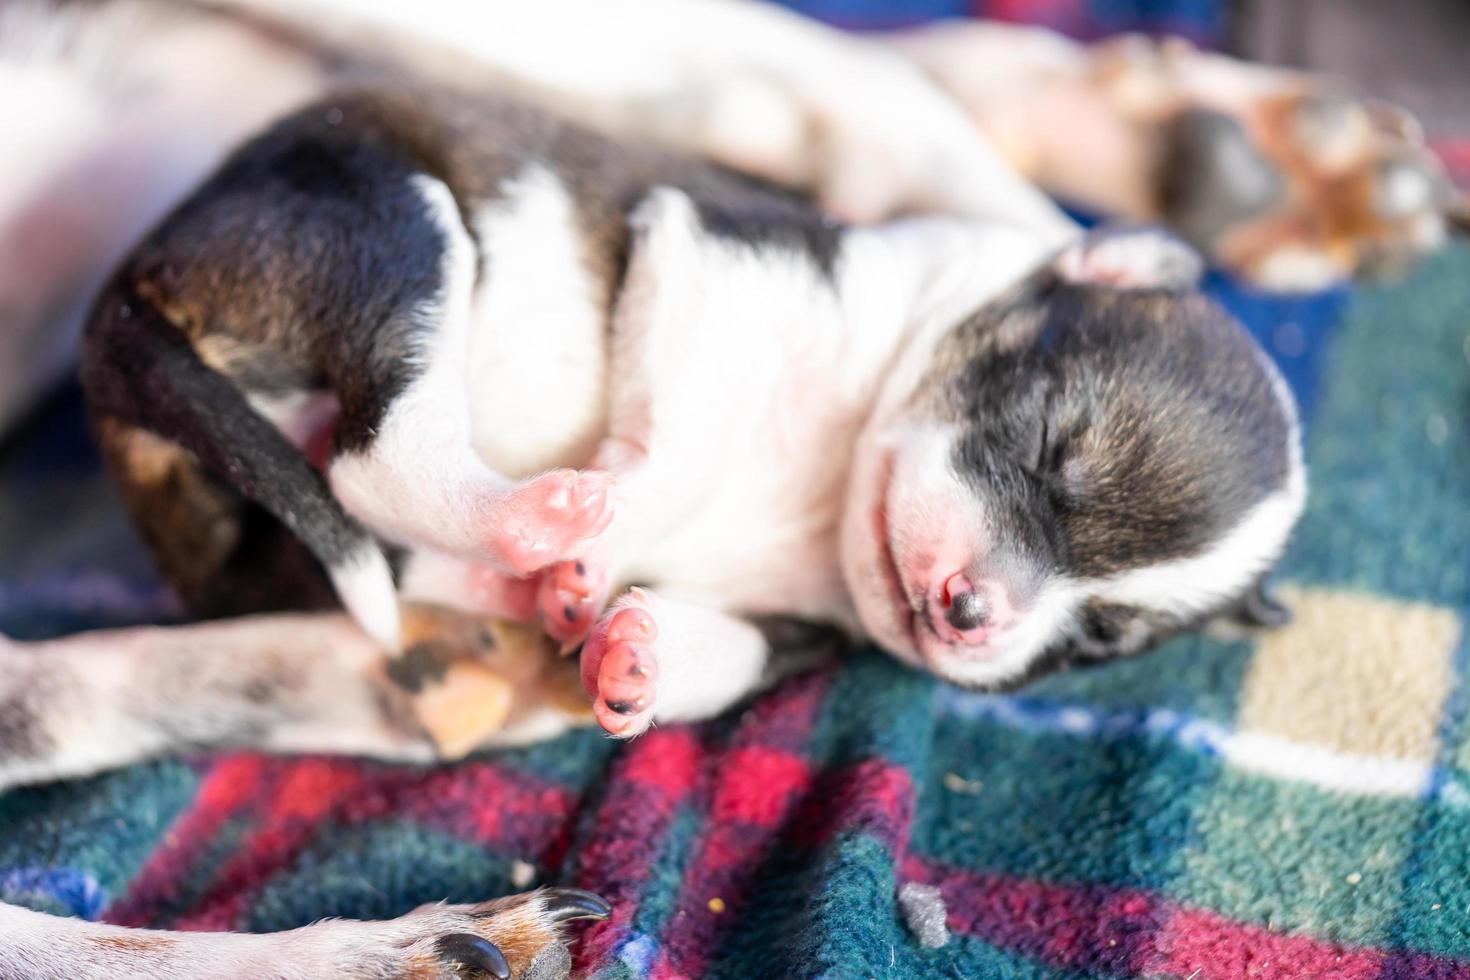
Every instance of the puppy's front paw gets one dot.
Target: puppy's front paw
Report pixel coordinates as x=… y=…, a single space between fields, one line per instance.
x=620 y=666
x=548 y=519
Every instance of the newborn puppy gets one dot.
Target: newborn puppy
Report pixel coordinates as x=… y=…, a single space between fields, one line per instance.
x=542 y=365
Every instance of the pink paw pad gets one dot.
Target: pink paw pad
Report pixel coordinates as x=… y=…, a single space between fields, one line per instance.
x=570 y=596
x=546 y=519
x=620 y=671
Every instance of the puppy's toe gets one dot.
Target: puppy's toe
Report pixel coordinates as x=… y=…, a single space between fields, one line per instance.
x=620 y=668
x=570 y=596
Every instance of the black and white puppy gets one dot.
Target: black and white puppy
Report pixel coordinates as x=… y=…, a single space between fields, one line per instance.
x=543 y=364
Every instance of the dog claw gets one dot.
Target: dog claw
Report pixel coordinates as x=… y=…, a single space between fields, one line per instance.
x=475 y=952
x=566 y=904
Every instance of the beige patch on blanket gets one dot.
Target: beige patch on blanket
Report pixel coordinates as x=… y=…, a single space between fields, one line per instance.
x=1354 y=673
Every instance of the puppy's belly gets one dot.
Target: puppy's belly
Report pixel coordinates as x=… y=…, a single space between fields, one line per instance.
x=793 y=576
x=763 y=538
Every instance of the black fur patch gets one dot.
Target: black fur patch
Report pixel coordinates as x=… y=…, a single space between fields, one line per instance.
x=419 y=666
x=301 y=264
x=1107 y=430
x=312 y=250
x=760 y=216
x=798 y=644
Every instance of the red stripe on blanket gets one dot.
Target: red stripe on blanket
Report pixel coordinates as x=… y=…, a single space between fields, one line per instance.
x=1126 y=932
x=872 y=797
x=646 y=787
x=1216 y=948
x=294 y=800
x=486 y=803
x=304 y=791
x=755 y=786
x=230 y=782
x=1078 y=927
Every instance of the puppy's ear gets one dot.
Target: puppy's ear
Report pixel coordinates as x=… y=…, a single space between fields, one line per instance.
x=1259 y=609
x=1131 y=258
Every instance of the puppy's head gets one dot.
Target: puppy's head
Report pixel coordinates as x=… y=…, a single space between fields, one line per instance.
x=1093 y=462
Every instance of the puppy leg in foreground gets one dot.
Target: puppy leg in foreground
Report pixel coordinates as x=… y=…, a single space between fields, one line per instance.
x=287 y=683
x=308 y=682
x=519 y=937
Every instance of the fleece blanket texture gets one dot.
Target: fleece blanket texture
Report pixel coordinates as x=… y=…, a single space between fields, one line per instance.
x=1292 y=805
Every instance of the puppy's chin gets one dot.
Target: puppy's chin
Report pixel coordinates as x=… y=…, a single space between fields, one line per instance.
x=1000 y=668
x=866 y=559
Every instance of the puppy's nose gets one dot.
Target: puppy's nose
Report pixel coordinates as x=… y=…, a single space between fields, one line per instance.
x=967 y=611
x=965 y=606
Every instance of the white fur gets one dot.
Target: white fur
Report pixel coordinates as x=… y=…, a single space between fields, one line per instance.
x=1194 y=585
x=108 y=698
x=364 y=583
x=536 y=364
x=730 y=363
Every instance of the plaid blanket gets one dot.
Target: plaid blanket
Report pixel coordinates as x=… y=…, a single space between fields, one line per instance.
x=1296 y=805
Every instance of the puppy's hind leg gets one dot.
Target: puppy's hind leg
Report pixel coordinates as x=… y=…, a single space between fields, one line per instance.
x=298 y=682
x=295 y=683
x=221 y=553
